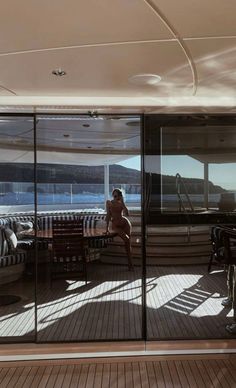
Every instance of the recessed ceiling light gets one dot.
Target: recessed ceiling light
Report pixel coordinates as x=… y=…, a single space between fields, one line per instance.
x=145 y=79
x=86 y=125
x=93 y=114
x=132 y=123
x=66 y=135
x=59 y=72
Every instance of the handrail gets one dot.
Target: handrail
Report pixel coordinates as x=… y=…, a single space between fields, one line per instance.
x=148 y=192
x=179 y=181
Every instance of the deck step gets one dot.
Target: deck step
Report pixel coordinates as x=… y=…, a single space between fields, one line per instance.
x=118 y=259
x=162 y=249
x=165 y=245
x=138 y=253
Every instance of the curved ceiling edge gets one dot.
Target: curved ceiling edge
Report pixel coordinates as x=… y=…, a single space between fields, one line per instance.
x=179 y=40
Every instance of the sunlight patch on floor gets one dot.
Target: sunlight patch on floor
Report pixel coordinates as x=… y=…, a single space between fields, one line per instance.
x=163 y=287
x=108 y=291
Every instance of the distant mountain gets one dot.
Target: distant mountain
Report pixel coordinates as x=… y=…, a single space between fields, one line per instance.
x=58 y=173
x=91 y=175
x=193 y=186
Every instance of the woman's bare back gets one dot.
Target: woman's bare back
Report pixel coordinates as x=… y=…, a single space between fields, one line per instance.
x=119 y=222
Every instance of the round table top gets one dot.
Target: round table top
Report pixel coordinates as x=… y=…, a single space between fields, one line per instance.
x=92 y=233
x=5 y=300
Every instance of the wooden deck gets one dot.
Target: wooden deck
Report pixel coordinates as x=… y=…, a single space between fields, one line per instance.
x=131 y=373
x=183 y=302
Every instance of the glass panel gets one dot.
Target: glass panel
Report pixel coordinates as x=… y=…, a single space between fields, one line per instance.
x=17 y=229
x=190 y=191
x=188 y=154
x=81 y=159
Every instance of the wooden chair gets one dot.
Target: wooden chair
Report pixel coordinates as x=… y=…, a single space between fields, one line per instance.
x=68 y=249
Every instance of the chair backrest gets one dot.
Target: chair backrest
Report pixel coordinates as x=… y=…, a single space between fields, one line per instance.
x=217 y=239
x=67 y=238
x=229 y=237
x=221 y=237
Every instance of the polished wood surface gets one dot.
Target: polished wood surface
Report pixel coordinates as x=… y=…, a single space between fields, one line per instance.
x=182 y=302
x=68 y=249
x=124 y=372
x=91 y=233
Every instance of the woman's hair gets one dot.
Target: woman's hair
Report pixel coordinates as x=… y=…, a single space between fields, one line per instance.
x=118 y=191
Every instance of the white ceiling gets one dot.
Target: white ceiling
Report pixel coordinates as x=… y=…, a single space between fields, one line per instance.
x=100 y=44
x=69 y=139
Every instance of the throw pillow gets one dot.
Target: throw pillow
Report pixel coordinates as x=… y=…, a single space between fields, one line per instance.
x=11 y=238
x=4 y=248
x=23 y=227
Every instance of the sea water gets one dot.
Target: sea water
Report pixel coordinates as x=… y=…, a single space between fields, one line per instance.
x=51 y=199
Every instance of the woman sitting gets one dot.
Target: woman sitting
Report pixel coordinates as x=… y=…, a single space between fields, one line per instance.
x=120 y=224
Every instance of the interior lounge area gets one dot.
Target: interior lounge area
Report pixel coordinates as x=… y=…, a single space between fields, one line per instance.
x=117 y=194
x=55 y=182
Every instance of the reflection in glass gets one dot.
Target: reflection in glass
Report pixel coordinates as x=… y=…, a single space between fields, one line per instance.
x=197 y=163
x=17 y=226
x=80 y=160
x=190 y=188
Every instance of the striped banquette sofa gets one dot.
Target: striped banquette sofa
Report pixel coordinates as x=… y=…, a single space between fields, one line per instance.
x=13 y=259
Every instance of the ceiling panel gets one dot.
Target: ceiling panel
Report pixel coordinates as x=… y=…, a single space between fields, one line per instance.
x=99 y=71
x=103 y=72
x=5 y=92
x=200 y=18
x=45 y=24
x=215 y=60
x=65 y=139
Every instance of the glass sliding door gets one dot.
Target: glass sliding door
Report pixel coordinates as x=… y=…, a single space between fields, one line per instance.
x=189 y=176
x=17 y=229
x=80 y=161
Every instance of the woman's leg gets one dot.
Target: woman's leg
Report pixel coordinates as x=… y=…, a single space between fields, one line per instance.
x=126 y=238
x=127 y=230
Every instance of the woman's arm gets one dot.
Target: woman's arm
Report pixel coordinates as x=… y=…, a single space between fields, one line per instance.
x=125 y=210
x=108 y=215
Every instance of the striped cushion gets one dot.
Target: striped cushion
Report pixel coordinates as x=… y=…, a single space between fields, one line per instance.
x=26 y=244
x=14 y=221
x=100 y=242
x=4 y=247
x=11 y=221
x=8 y=260
x=4 y=222
x=90 y=220
x=44 y=222
x=66 y=259
x=29 y=244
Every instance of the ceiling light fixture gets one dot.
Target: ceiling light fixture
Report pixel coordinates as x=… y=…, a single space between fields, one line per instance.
x=132 y=123
x=145 y=79
x=93 y=114
x=67 y=118
x=58 y=72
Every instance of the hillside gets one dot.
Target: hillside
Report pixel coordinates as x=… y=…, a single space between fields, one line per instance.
x=92 y=175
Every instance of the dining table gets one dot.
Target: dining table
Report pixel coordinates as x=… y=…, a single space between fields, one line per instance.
x=96 y=239
x=91 y=234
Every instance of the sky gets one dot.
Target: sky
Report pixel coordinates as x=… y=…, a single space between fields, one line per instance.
x=134 y=163
x=223 y=175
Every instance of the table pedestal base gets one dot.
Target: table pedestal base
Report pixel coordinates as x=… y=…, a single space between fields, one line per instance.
x=9 y=299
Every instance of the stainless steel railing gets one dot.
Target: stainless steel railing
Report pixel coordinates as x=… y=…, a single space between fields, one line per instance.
x=181 y=185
